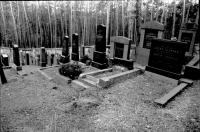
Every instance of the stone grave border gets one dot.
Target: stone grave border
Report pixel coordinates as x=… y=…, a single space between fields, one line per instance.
x=190 y=68
x=107 y=81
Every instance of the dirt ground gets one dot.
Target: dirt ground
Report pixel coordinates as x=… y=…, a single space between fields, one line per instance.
x=31 y=104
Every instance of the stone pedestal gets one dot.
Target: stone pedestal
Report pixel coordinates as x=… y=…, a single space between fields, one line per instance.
x=42 y=57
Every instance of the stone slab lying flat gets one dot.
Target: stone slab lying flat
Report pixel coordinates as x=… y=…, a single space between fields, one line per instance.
x=17 y=68
x=107 y=81
x=165 y=99
x=60 y=79
x=44 y=75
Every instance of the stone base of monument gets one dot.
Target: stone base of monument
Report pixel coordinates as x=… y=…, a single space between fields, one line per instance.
x=99 y=65
x=64 y=59
x=74 y=57
x=17 y=68
x=126 y=63
x=192 y=68
x=43 y=64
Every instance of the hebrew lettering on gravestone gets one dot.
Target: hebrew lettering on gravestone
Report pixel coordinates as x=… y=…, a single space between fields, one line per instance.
x=149 y=35
x=119 y=50
x=166 y=57
x=187 y=37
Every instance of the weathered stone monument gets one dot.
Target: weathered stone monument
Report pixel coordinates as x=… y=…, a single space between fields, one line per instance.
x=120 y=50
x=21 y=58
x=149 y=30
x=27 y=58
x=2 y=75
x=5 y=60
x=75 y=47
x=187 y=34
x=99 y=56
x=65 y=51
x=166 y=58
x=42 y=57
x=16 y=58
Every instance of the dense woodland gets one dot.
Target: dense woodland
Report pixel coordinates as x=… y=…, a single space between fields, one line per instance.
x=45 y=23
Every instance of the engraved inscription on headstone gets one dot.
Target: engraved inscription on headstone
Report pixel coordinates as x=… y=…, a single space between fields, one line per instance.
x=187 y=37
x=149 y=35
x=167 y=55
x=119 y=50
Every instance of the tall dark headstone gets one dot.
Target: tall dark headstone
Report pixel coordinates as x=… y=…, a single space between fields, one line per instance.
x=65 y=51
x=75 y=47
x=42 y=57
x=166 y=58
x=16 y=55
x=2 y=75
x=5 y=60
x=99 y=56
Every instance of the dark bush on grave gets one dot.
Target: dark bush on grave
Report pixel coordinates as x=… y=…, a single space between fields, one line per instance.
x=70 y=70
x=85 y=58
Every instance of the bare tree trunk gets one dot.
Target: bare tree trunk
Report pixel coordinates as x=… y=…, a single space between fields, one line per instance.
x=19 y=24
x=14 y=24
x=183 y=18
x=163 y=13
x=50 y=30
x=55 y=24
x=71 y=23
x=152 y=11
x=107 y=25
x=117 y=15
x=4 y=24
x=197 y=17
x=188 y=12
x=145 y=16
x=174 y=19
x=123 y=17
x=157 y=11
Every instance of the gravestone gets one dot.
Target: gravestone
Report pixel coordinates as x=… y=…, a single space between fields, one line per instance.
x=5 y=60
x=27 y=58
x=166 y=58
x=75 y=47
x=187 y=34
x=120 y=50
x=21 y=58
x=16 y=58
x=42 y=57
x=49 y=60
x=99 y=56
x=65 y=51
x=16 y=55
x=149 y=30
x=2 y=75
x=82 y=51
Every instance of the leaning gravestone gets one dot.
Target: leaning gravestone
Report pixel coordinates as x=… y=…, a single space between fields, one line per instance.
x=75 y=47
x=42 y=57
x=2 y=75
x=166 y=58
x=149 y=30
x=99 y=56
x=187 y=34
x=120 y=50
x=5 y=60
x=65 y=51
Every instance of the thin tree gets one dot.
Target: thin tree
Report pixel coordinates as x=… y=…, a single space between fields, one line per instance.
x=50 y=28
x=174 y=20
x=55 y=19
x=190 y=3
x=123 y=17
x=19 y=23
x=107 y=23
x=197 y=17
x=183 y=17
x=14 y=24
x=117 y=19
x=4 y=24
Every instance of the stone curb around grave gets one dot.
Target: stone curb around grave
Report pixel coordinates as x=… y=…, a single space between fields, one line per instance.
x=44 y=75
x=83 y=75
x=106 y=81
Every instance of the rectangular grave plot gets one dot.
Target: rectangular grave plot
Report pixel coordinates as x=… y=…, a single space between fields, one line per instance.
x=119 y=50
x=187 y=37
x=167 y=55
x=149 y=35
x=75 y=57
x=99 y=57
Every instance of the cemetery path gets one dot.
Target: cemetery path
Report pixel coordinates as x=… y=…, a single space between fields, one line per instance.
x=31 y=104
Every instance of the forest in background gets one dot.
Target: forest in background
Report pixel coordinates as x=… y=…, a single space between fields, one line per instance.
x=45 y=23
